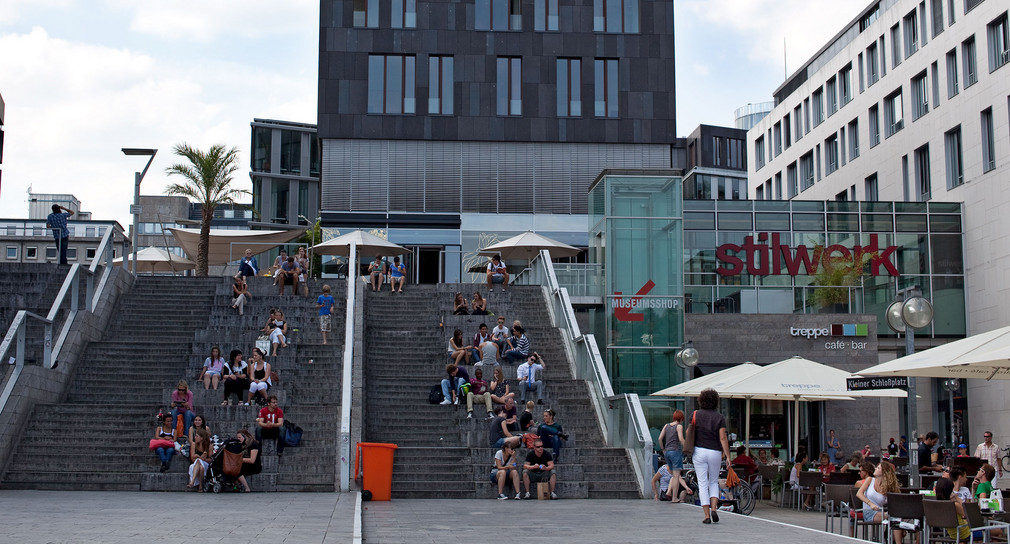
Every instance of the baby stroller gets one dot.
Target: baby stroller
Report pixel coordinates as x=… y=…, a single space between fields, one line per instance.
x=216 y=478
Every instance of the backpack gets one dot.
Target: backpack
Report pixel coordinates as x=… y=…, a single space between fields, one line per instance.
x=435 y=394
x=292 y=434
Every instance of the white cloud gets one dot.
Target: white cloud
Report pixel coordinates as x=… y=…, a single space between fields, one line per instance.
x=11 y=11
x=205 y=21
x=71 y=106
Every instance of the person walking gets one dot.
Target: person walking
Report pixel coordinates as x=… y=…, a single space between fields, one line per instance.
x=989 y=452
x=672 y=439
x=711 y=446
x=61 y=234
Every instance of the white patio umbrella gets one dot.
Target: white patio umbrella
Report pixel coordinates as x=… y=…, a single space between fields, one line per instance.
x=528 y=245
x=226 y=246
x=155 y=259
x=796 y=379
x=368 y=245
x=985 y=355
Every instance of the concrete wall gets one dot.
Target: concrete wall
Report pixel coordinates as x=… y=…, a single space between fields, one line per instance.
x=727 y=339
x=38 y=384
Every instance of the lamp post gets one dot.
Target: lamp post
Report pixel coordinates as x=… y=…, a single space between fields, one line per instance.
x=312 y=238
x=952 y=385
x=135 y=208
x=909 y=312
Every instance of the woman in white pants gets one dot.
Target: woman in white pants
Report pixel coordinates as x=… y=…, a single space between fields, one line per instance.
x=711 y=446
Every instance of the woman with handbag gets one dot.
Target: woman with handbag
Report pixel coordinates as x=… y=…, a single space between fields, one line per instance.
x=163 y=443
x=251 y=462
x=672 y=439
x=707 y=436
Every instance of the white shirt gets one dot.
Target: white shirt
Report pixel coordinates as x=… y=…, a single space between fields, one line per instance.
x=989 y=454
x=523 y=371
x=501 y=331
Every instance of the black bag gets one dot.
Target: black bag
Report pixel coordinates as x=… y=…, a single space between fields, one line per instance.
x=435 y=395
x=292 y=434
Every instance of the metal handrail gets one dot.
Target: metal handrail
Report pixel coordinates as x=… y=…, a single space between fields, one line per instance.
x=613 y=411
x=345 y=387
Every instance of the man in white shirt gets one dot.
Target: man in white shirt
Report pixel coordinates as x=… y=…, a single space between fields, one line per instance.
x=989 y=452
x=500 y=334
x=530 y=376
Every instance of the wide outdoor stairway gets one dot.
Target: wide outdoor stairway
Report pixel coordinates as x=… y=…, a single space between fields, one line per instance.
x=441 y=453
x=97 y=438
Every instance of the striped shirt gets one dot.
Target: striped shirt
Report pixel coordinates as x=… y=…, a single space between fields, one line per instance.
x=988 y=453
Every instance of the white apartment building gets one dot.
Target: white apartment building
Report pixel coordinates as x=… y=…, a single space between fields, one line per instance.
x=909 y=102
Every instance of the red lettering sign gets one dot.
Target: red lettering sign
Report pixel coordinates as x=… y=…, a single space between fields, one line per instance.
x=623 y=311
x=761 y=258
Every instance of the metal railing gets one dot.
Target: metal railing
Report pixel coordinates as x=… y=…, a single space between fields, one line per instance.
x=581 y=279
x=621 y=417
x=345 y=388
x=17 y=333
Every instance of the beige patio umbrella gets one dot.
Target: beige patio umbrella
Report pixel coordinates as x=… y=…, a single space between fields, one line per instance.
x=227 y=246
x=368 y=245
x=528 y=245
x=796 y=379
x=156 y=260
x=985 y=356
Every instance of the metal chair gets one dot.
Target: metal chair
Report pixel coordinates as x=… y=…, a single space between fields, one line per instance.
x=768 y=474
x=940 y=516
x=926 y=481
x=787 y=488
x=810 y=486
x=836 y=505
x=977 y=522
x=856 y=522
x=905 y=507
x=843 y=477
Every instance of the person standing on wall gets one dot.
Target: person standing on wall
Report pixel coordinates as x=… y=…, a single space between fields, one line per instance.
x=710 y=438
x=58 y=222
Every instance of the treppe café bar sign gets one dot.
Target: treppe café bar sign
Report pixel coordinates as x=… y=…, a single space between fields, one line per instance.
x=761 y=258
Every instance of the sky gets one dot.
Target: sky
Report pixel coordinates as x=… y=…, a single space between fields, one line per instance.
x=82 y=79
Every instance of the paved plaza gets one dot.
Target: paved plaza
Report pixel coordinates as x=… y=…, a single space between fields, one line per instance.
x=328 y=518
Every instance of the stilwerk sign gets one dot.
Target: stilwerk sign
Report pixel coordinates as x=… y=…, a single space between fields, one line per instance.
x=762 y=258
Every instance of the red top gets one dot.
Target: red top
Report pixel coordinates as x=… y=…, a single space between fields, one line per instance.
x=271 y=417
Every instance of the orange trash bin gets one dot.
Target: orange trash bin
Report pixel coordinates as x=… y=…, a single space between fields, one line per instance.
x=374 y=465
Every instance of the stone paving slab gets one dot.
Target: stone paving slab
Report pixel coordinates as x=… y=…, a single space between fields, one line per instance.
x=116 y=517
x=583 y=521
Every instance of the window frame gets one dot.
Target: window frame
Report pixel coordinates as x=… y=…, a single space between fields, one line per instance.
x=953 y=150
x=370 y=15
x=512 y=107
x=543 y=24
x=438 y=71
x=998 y=30
x=572 y=99
x=610 y=85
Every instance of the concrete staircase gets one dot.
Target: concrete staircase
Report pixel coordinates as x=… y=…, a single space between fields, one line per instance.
x=441 y=453
x=97 y=438
x=32 y=287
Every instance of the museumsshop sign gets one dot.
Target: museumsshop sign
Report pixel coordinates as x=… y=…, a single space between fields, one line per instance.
x=766 y=257
x=836 y=335
x=624 y=306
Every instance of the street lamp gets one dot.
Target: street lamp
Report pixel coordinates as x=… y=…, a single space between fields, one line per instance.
x=687 y=357
x=952 y=385
x=312 y=238
x=909 y=312
x=135 y=208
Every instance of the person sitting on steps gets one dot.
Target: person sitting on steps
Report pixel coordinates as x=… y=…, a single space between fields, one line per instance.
x=270 y=424
x=478 y=392
x=236 y=377
x=529 y=376
x=505 y=468
x=182 y=403
x=499 y=433
x=377 y=273
x=497 y=272
x=451 y=385
x=459 y=353
x=259 y=378
x=459 y=305
x=478 y=305
x=539 y=467
x=278 y=331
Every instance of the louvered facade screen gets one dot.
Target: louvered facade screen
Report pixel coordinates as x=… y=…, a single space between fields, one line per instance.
x=472 y=177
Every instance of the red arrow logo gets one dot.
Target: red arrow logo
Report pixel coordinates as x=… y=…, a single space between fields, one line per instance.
x=623 y=312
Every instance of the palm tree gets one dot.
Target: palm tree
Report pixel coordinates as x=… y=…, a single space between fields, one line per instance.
x=208 y=176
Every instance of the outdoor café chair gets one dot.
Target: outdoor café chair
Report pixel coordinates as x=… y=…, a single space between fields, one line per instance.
x=905 y=507
x=977 y=521
x=836 y=505
x=940 y=516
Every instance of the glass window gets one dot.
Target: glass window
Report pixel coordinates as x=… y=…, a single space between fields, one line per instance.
x=895 y=46
x=830 y=154
x=50 y=252
x=291 y=152
x=545 y=15
x=699 y=221
x=390 y=84
x=71 y=253
x=910 y=223
x=735 y=221
x=936 y=8
x=569 y=87
x=832 y=92
x=952 y=74
x=771 y=221
x=947 y=253
x=911 y=25
x=498 y=15
x=808 y=222
x=954 y=157
x=759 y=152
x=403 y=13
x=261 y=149
x=922 y=174
x=817 y=103
x=607 y=96
x=12 y=252
x=313 y=159
x=872 y=64
x=366 y=13
x=89 y=253
x=944 y=223
x=920 y=96
x=615 y=15
x=440 y=85
x=874 y=116
x=988 y=141
x=999 y=43
x=510 y=98
x=853 y=138
x=893 y=114
x=777 y=130
x=792 y=180
x=89 y=232
x=845 y=85
x=31 y=252
x=806 y=171
x=843 y=222
x=878 y=223
x=968 y=62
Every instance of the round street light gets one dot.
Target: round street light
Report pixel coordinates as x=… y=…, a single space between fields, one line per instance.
x=917 y=312
x=687 y=357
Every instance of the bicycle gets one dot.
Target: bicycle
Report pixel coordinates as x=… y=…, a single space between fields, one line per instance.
x=741 y=497
x=1005 y=460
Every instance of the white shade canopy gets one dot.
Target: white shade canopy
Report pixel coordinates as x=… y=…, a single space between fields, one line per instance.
x=229 y=245
x=156 y=260
x=368 y=245
x=528 y=245
x=985 y=355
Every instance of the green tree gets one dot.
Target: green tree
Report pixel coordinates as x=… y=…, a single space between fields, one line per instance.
x=208 y=177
